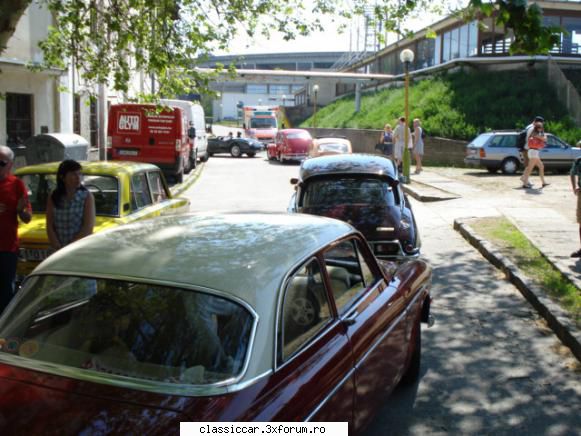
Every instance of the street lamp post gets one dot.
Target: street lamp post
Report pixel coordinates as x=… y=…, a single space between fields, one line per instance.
x=406 y=56
x=315 y=92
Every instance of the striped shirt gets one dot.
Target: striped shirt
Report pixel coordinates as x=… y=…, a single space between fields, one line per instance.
x=68 y=219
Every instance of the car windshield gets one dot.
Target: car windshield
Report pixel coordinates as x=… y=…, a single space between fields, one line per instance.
x=348 y=191
x=299 y=135
x=263 y=123
x=480 y=140
x=137 y=330
x=105 y=189
x=333 y=147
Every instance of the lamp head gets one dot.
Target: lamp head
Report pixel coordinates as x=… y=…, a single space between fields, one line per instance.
x=406 y=55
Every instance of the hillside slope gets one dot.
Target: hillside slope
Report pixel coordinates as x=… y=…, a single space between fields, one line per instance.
x=459 y=105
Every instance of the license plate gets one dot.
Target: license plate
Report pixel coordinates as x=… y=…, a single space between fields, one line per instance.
x=36 y=255
x=128 y=152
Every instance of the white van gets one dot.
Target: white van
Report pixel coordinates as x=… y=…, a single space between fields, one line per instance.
x=196 y=120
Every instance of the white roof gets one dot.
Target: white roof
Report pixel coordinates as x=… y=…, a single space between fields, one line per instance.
x=246 y=256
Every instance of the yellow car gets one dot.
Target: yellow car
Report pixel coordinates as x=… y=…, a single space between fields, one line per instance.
x=124 y=192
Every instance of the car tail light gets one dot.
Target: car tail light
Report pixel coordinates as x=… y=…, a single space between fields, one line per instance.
x=178 y=144
x=408 y=247
x=109 y=142
x=482 y=153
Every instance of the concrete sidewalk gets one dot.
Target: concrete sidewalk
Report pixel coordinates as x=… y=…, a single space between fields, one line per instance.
x=555 y=235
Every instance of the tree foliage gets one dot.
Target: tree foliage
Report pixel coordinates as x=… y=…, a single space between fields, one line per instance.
x=107 y=39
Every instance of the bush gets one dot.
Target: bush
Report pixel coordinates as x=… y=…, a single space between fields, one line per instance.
x=459 y=105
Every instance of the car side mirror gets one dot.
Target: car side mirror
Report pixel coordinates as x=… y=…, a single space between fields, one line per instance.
x=294 y=181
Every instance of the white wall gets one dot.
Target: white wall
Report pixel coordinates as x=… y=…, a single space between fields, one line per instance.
x=30 y=30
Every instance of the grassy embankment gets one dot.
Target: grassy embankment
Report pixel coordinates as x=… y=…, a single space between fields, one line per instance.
x=459 y=105
x=516 y=247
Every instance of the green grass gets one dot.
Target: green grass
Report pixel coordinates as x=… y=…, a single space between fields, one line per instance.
x=459 y=105
x=514 y=245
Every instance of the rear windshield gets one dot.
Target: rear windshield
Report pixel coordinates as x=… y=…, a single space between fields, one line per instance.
x=263 y=123
x=105 y=189
x=348 y=191
x=135 y=330
x=299 y=135
x=480 y=140
x=333 y=147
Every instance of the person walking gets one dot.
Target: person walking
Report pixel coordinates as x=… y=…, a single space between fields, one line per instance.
x=70 y=210
x=535 y=142
x=386 y=140
x=14 y=204
x=522 y=142
x=418 y=149
x=399 y=141
x=575 y=174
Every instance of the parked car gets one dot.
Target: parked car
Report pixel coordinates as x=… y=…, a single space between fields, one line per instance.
x=497 y=151
x=364 y=191
x=330 y=145
x=150 y=134
x=136 y=329
x=124 y=192
x=235 y=146
x=290 y=145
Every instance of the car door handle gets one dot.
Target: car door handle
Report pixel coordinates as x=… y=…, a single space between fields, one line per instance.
x=351 y=318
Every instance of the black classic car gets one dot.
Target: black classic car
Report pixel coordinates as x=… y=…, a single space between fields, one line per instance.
x=364 y=191
x=236 y=147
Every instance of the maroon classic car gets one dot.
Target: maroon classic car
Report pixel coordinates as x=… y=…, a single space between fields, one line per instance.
x=290 y=145
x=132 y=330
x=364 y=191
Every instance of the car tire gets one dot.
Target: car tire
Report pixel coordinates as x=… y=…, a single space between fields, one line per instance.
x=251 y=154
x=510 y=165
x=205 y=157
x=492 y=170
x=235 y=151
x=305 y=311
x=412 y=373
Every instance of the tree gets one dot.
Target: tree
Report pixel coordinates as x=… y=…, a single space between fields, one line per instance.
x=107 y=39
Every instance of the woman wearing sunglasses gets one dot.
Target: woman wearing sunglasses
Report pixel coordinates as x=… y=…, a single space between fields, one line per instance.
x=14 y=204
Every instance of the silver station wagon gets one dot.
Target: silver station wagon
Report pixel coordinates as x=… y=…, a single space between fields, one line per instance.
x=497 y=151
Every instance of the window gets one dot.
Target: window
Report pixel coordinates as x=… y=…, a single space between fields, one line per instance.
x=572 y=40
x=137 y=330
x=18 y=118
x=504 y=141
x=473 y=39
x=346 y=280
x=256 y=89
x=157 y=186
x=105 y=189
x=553 y=142
x=77 y=114
x=305 y=309
x=446 y=51
x=140 y=197
x=94 y=124
x=464 y=40
x=344 y=192
x=278 y=89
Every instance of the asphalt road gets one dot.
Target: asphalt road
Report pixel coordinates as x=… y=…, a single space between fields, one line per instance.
x=489 y=365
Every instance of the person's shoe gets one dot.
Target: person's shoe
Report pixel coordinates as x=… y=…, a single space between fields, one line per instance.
x=527 y=185
x=576 y=253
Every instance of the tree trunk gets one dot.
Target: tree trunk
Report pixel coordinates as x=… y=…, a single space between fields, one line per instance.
x=10 y=13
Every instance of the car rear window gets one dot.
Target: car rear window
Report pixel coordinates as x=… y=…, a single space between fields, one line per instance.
x=299 y=135
x=105 y=189
x=136 y=330
x=480 y=140
x=348 y=191
x=333 y=147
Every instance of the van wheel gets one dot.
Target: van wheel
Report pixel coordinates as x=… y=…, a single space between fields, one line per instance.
x=205 y=157
x=509 y=166
x=235 y=150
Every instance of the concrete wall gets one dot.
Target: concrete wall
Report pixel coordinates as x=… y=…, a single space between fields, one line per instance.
x=30 y=30
x=437 y=150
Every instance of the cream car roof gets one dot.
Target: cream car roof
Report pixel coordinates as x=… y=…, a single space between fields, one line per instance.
x=246 y=256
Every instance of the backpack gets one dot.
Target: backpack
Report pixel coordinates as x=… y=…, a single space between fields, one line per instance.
x=521 y=140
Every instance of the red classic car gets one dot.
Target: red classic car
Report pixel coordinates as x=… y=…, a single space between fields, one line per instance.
x=137 y=328
x=290 y=145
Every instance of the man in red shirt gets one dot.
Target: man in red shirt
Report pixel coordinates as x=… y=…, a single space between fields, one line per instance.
x=14 y=204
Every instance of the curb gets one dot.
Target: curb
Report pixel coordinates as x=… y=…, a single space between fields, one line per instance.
x=426 y=198
x=557 y=319
x=194 y=175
